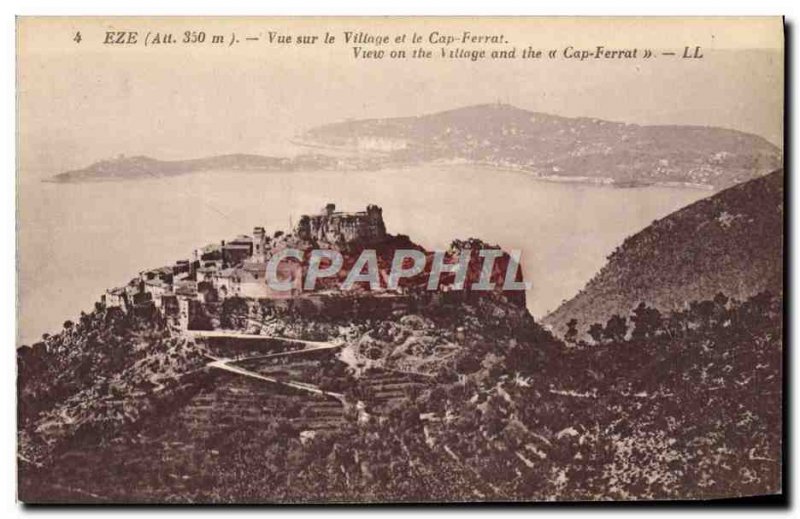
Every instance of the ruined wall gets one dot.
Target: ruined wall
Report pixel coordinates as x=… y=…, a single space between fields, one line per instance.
x=344 y=228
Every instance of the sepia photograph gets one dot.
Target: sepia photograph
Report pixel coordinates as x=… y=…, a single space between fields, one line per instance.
x=400 y=260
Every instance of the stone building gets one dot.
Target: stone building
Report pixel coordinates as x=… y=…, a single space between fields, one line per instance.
x=259 y=242
x=157 y=289
x=237 y=251
x=341 y=228
x=116 y=297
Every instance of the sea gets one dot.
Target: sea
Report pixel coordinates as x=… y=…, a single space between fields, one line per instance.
x=77 y=240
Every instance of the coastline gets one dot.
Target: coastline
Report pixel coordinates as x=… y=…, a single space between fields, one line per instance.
x=565 y=179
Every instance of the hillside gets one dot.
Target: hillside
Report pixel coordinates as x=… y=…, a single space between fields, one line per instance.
x=448 y=396
x=689 y=410
x=546 y=146
x=554 y=147
x=731 y=242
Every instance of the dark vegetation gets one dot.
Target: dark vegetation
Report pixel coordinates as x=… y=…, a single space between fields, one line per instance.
x=98 y=375
x=667 y=385
x=686 y=404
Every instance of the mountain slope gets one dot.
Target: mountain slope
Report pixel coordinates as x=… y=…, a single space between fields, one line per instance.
x=578 y=149
x=543 y=145
x=731 y=242
x=438 y=399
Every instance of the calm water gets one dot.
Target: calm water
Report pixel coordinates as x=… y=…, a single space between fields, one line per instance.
x=77 y=240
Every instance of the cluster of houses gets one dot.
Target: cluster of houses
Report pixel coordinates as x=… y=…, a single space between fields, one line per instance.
x=237 y=268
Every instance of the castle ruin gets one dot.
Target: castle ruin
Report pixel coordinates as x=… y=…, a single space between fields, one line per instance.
x=340 y=228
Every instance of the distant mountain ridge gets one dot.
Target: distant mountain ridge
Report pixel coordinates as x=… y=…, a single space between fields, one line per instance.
x=561 y=148
x=548 y=147
x=139 y=166
x=731 y=242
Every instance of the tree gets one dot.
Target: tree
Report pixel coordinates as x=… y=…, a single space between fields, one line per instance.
x=572 y=331
x=596 y=332
x=721 y=299
x=616 y=328
x=702 y=312
x=468 y=364
x=646 y=321
x=437 y=399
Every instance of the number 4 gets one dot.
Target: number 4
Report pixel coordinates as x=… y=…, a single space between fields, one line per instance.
x=77 y=38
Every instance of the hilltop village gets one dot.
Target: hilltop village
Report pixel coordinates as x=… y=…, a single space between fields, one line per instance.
x=237 y=268
x=466 y=400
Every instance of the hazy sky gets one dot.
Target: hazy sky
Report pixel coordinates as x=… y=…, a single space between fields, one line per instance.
x=83 y=102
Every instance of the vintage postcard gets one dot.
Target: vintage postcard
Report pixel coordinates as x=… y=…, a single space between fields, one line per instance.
x=399 y=260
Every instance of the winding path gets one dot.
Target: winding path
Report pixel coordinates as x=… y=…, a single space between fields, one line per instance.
x=239 y=335
x=230 y=366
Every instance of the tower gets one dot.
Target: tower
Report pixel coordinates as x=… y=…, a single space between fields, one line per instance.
x=259 y=240
x=376 y=229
